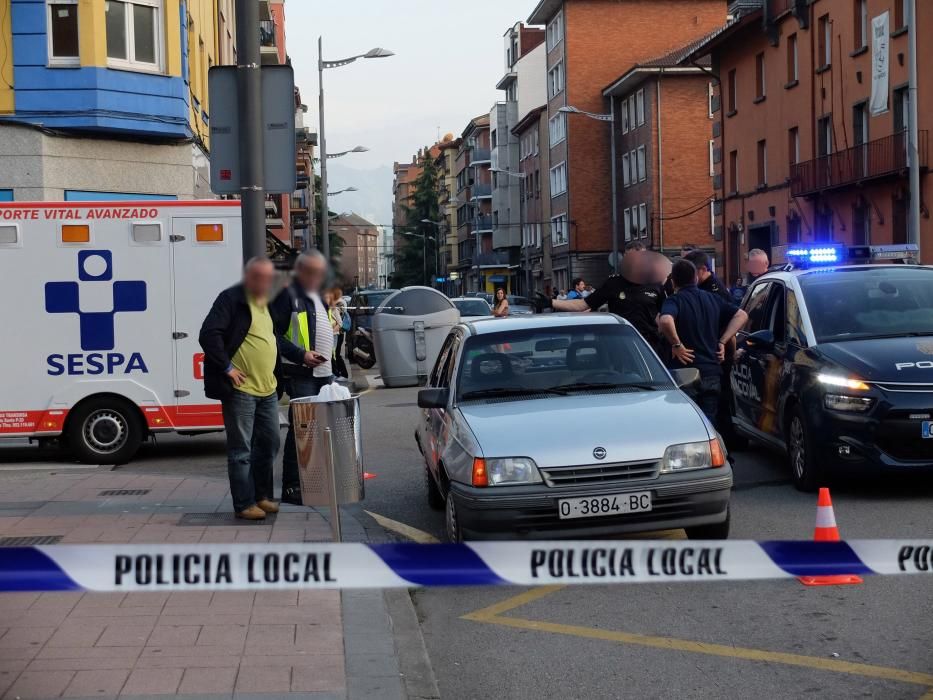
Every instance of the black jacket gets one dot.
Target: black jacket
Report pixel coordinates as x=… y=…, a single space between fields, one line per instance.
x=293 y=299
x=222 y=333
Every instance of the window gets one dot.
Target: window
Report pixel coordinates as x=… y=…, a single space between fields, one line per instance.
x=535 y=142
x=824 y=52
x=731 y=86
x=793 y=145
x=633 y=166
x=559 y=229
x=625 y=117
x=642 y=167
x=555 y=31
x=630 y=106
x=824 y=135
x=794 y=332
x=733 y=172
x=627 y=229
x=712 y=157
x=558 y=179
x=711 y=100
x=640 y=107
x=861 y=223
x=793 y=229
x=643 y=220
x=901 y=11
x=861 y=24
x=557 y=128
x=762 y=163
x=133 y=36
x=759 y=77
x=824 y=225
x=63 y=33
x=901 y=109
x=860 y=134
x=626 y=177
x=756 y=307
x=792 y=60
x=555 y=79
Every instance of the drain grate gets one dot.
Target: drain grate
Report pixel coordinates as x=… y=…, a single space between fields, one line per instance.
x=220 y=519
x=27 y=541
x=124 y=492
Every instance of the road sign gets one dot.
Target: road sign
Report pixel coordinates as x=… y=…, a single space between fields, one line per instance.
x=278 y=120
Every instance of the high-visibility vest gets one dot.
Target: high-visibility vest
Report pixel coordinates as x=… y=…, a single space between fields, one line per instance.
x=298 y=331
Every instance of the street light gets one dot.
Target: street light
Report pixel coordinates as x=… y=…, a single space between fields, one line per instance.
x=521 y=224
x=611 y=117
x=355 y=149
x=336 y=192
x=322 y=141
x=437 y=233
x=424 y=254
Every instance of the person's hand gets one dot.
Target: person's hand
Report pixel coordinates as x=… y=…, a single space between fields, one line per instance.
x=313 y=359
x=542 y=302
x=236 y=376
x=721 y=352
x=683 y=354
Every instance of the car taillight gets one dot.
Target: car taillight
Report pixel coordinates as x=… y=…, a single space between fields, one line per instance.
x=716 y=453
x=480 y=478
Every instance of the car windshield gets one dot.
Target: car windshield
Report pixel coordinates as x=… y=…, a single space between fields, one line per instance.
x=369 y=302
x=472 y=307
x=859 y=303
x=558 y=360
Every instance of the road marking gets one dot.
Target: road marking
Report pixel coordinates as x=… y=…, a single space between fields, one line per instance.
x=493 y=614
x=412 y=533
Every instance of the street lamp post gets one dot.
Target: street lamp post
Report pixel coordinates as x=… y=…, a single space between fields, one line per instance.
x=611 y=118
x=322 y=140
x=521 y=225
x=437 y=233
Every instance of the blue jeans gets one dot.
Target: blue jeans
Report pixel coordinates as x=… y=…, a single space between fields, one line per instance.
x=296 y=387
x=252 y=424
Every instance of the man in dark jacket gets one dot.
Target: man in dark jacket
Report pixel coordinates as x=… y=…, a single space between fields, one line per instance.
x=306 y=346
x=240 y=359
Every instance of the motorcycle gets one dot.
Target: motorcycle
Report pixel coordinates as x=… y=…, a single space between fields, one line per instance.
x=364 y=352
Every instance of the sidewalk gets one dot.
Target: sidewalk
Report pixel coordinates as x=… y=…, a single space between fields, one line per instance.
x=316 y=644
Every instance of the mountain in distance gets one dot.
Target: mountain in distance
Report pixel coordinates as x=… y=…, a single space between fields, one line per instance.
x=372 y=201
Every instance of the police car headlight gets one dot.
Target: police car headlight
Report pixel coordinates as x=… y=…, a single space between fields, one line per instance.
x=842 y=382
x=691 y=455
x=851 y=404
x=512 y=470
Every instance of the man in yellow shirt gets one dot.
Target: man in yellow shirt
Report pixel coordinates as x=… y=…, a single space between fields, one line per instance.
x=240 y=360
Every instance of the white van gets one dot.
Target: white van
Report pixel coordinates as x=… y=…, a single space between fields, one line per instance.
x=101 y=307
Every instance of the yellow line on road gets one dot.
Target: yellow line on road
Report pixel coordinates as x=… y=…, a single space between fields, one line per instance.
x=407 y=531
x=494 y=614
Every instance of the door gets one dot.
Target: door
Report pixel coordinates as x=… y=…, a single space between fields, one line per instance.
x=746 y=372
x=432 y=418
x=206 y=259
x=760 y=237
x=771 y=362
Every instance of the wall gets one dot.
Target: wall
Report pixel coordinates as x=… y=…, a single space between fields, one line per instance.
x=531 y=74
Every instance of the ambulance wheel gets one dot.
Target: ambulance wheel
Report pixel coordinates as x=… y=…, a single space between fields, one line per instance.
x=801 y=453
x=105 y=430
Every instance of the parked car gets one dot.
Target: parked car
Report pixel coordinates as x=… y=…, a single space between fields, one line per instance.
x=520 y=306
x=566 y=425
x=472 y=306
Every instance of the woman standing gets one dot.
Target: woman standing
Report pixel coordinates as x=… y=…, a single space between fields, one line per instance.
x=339 y=316
x=500 y=308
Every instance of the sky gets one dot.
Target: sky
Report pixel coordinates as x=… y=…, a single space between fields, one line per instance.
x=449 y=57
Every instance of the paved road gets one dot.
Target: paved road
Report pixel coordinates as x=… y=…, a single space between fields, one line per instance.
x=735 y=640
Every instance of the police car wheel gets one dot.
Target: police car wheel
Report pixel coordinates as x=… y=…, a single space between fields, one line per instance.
x=104 y=431
x=717 y=531
x=804 y=471
x=451 y=521
x=435 y=497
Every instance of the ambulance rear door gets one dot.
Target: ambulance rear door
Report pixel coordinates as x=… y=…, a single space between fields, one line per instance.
x=206 y=259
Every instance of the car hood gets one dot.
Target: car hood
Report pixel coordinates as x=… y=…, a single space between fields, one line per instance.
x=885 y=359
x=559 y=431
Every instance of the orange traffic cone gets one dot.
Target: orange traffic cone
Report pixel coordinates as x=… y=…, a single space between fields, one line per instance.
x=827 y=531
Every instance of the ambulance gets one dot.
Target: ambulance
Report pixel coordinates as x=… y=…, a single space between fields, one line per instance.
x=101 y=307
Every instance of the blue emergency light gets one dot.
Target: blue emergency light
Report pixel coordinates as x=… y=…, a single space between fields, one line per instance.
x=816 y=255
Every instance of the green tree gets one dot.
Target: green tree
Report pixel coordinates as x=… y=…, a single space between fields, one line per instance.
x=415 y=258
x=336 y=242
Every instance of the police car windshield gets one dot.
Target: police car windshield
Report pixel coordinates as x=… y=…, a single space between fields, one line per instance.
x=854 y=303
x=558 y=360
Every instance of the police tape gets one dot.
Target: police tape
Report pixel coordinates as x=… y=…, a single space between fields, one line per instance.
x=216 y=567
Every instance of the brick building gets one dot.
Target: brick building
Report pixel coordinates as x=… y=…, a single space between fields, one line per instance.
x=535 y=164
x=589 y=44
x=446 y=162
x=664 y=181
x=801 y=155
x=359 y=262
x=403 y=187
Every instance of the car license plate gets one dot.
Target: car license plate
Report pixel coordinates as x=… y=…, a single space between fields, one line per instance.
x=926 y=429
x=595 y=506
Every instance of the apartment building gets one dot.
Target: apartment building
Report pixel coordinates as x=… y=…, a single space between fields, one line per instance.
x=403 y=187
x=108 y=99
x=446 y=163
x=534 y=165
x=811 y=137
x=663 y=183
x=589 y=44
x=359 y=262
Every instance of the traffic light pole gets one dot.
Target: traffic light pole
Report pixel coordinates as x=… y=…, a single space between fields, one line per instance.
x=249 y=79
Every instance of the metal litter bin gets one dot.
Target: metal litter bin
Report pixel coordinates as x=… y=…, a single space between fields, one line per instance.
x=328 y=439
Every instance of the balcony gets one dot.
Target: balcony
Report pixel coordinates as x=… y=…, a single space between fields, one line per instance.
x=482 y=222
x=268 y=46
x=497 y=258
x=480 y=190
x=881 y=158
x=479 y=155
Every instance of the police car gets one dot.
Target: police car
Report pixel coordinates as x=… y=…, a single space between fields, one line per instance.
x=835 y=364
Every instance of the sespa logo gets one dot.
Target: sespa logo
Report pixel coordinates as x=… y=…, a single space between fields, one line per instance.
x=97 y=327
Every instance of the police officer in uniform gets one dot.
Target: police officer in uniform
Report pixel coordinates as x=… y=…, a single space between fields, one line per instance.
x=708 y=281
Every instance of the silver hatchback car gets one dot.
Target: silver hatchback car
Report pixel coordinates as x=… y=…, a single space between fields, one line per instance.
x=566 y=425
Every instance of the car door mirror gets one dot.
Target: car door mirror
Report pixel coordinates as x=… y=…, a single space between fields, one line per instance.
x=762 y=340
x=433 y=398
x=687 y=378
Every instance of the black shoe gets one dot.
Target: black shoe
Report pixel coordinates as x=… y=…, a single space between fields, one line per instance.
x=292 y=497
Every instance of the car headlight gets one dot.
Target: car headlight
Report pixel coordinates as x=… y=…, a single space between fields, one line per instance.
x=850 y=404
x=841 y=382
x=505 y=471
x=693 y=455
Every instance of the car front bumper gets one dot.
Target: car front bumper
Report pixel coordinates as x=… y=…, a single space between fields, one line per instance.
x=530 y=512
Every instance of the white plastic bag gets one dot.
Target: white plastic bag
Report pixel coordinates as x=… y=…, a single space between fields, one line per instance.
x=332 y=392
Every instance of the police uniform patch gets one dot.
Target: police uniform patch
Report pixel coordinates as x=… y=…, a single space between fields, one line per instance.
x=622 y=296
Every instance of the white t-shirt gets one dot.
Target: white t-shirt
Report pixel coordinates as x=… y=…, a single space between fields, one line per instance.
x=324 y=336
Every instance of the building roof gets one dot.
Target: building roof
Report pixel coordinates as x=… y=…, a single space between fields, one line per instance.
x=705 y=47
x=544 y=11
x=528 y=119
x=476 y=123
x=672 y=63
